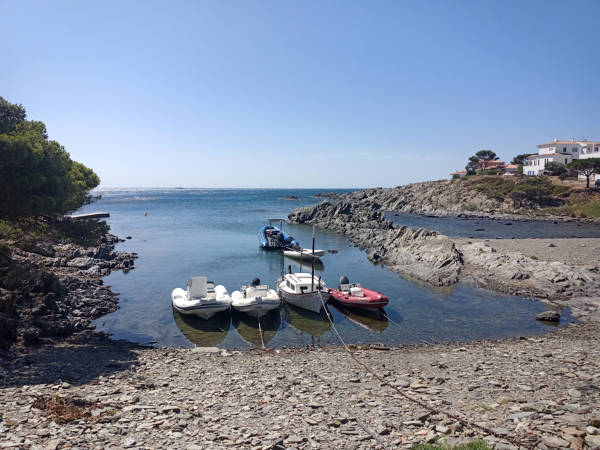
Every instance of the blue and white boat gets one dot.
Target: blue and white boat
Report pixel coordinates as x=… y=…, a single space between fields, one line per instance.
x=271 y=237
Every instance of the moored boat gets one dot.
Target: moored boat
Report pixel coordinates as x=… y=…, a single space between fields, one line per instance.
x=271 y=237
x=303 y=290
x=256 y=299
x=303 y=253
x=356 y=296
x=202 y=298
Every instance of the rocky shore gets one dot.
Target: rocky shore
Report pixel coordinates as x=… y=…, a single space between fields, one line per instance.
x=52 y=287
x=96 y=393
x=432 y=257
x=450 y=197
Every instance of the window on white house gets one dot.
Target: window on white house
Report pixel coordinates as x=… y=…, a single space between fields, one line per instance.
x=564 y=149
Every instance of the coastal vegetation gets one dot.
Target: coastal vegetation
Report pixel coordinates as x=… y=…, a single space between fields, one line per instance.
x=480 y=161
x=536 y=192
x=587 y=167
x=38 y=175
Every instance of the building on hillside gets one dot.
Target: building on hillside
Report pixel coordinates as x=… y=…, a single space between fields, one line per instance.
x=562 y=152
x=491 y=165
x=506 y=169
x=511 y=169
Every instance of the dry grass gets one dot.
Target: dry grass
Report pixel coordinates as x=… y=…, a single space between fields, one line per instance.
x=64 y=409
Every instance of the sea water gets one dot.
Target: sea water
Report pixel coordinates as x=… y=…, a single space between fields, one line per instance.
x=179 y=233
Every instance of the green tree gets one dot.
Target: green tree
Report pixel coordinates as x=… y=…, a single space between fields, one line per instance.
x=556 y=169
x=586 y=167
x=38 y=176
x=480 y=161
x=521 y=159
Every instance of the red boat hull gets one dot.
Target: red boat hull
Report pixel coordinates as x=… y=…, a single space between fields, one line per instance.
x=372 y=299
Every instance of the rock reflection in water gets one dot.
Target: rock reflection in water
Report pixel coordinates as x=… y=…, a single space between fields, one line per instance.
x=204 y=333
x=306 y=322
x=247 y=327
x=372 y=320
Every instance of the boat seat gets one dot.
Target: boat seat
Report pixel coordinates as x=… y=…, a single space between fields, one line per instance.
x=357 y=291
x=197 y=287
x=345 y=287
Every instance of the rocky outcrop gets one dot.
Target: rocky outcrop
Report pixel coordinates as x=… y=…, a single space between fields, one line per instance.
x=54 y=288
x=517 y=274
x=422 y=254
x=447 y=197
x=434 y=258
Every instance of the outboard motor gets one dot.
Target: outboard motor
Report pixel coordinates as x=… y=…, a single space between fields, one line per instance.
x=343 y=280
x=255 y=282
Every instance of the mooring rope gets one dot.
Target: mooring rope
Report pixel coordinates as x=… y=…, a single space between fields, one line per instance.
x=341 y=399
x=461 y=420
x=260 y=332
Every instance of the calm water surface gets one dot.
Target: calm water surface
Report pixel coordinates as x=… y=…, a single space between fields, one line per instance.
x=484 y=228
x=213 y=233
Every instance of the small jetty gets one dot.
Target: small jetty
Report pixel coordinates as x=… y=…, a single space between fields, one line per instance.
x=92 y=215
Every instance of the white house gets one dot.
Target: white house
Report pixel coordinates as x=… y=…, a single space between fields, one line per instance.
x=562 y=152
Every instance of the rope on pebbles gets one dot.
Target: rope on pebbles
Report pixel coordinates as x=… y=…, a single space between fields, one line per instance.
x=515 y=441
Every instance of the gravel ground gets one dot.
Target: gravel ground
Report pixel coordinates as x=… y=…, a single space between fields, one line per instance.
x=544 y=389
x=573 y=251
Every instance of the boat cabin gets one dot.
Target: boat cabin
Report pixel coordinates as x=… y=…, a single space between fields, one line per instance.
x=301 y=283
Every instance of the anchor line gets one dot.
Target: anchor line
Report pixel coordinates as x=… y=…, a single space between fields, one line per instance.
x=341 y=399
x=260 y=332
x=515 y=441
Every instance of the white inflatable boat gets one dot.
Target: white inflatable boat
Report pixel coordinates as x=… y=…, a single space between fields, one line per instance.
x=202 y=298
x=255 y=300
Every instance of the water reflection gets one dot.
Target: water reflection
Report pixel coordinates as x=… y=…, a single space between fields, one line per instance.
x=204 y=333
x=306 y=322
x=247 y=327
x=372 y=320
x=304 y=265
x=277 y=262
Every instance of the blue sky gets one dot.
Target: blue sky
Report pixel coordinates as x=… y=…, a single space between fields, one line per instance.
x=300 y=94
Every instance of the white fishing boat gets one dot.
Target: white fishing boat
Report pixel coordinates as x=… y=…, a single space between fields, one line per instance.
x=202 y=298
x=303 y=290
x=255 y=300
x=303 y=253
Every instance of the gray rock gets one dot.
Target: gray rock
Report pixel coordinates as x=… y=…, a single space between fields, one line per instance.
x=548 y=316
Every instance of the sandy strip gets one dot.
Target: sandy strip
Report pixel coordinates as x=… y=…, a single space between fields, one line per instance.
x=572 y=251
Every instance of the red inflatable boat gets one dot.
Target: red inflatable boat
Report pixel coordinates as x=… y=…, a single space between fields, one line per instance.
x=356 y=296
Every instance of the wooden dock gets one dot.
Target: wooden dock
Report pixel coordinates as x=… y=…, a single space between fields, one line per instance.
x=93 y=215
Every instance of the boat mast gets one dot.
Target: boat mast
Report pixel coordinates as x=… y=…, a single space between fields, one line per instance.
x=312 y=273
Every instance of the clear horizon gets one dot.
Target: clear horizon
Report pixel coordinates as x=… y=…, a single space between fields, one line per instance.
x=269 y=94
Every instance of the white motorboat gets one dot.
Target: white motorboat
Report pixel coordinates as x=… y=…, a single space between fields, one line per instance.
x=303 y=253
x=255 y=300
x=303 y=290
x=202 y=298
